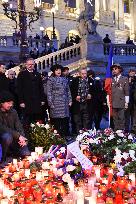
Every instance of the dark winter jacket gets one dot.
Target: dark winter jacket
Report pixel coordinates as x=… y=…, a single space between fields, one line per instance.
x=9 y=122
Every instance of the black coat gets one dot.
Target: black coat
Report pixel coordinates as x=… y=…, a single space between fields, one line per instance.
x=30 y=91
x=4 y=83
x=74 y=92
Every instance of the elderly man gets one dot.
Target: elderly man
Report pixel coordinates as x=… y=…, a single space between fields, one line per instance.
x=120 y=97
x=4 y=83
x=30 y=93
x=82 y=91
x=10 y=127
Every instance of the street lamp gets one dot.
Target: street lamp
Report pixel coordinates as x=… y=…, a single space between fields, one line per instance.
x=53 y=10
x=21 y=14
x=42 y=29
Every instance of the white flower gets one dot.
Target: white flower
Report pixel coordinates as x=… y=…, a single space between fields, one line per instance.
x=38 y=124
x=111 y=137
x=70 y=168
x=47 y=126
x=79 y=137
x=132 y=154
x=130 y=137
x=120 y=133
x=62 y=149
x=91 y=141
x=117 y=158
x=75 y=161
x=86 y=134
x=55 y=132
x=66 y=177
x=32 y=125
x=117 y=151
x=59 y=172
x=125 y=155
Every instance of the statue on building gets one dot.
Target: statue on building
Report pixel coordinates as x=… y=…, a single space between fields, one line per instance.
x=87 y=24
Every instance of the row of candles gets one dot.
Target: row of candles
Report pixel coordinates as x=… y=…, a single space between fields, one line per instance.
x=85 y=192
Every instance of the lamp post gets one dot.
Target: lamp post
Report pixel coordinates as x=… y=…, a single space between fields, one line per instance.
x=21 y=14
x=53 y=23
x=42 y=29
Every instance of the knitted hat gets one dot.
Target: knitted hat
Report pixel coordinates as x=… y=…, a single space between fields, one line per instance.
x=5 y=96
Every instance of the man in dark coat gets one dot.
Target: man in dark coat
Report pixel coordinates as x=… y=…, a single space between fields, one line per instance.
x=120 y=97
x=4 y=84
x=82 y=90
x=30 y=93
x=10 y=127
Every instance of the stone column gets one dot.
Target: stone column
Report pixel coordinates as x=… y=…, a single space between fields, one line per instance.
x=101 y=5
x=119 y=14
x=107 y=5
x=133 y=18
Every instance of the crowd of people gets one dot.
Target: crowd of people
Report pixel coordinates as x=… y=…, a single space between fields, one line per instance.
x=74 y=102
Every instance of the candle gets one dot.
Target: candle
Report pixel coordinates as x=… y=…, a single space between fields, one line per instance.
x=71 y=185
x=132 y=177
x=4 y=201
x=80 y=196
x=91 y=200
x=44 y=174
x=27 y=173
x=97 y=173
x=39 y=150
x=34 y=155
x=15 y=162
x=38 y=176
x=53 y=162
x=45 y=165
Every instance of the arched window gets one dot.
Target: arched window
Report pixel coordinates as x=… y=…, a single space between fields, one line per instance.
x=126 y=6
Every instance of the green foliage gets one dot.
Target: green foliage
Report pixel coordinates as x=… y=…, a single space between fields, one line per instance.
x=131 y=168
x=44 y=136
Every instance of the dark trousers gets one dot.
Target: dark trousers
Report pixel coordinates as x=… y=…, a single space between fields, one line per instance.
x=61 y=125
x=129 y=115
x=6 y=140
x=28 y=118
x=119 y=118
x=97 y=119
x=134 y=120
x=81 y=118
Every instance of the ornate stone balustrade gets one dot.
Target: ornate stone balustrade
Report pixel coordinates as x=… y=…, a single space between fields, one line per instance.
x=121 y=49
x=64 y=57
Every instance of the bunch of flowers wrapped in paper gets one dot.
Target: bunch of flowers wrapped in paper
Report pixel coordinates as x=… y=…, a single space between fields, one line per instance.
x=95 y=175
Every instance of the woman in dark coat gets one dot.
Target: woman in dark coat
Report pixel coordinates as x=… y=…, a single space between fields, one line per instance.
x=59 y=100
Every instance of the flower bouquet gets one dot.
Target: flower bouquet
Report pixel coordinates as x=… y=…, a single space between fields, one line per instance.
x=45 y=136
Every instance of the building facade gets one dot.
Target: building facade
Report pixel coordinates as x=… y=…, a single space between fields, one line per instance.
x=117 y=18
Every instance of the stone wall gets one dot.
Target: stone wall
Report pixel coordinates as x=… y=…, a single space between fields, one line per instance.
x=64 y=23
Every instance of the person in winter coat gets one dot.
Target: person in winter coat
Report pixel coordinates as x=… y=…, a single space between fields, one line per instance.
x=11 y=130
x=30 y=94
x=59 y=100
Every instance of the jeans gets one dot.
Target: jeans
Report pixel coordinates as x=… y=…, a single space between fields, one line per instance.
x=6 y=140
